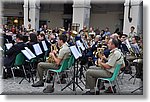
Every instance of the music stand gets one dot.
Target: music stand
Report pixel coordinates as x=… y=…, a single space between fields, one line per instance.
x=137 y=54
x=30 y=57
x=74 y=80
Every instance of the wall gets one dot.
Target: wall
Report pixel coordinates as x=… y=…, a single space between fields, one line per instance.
x=55 y=19
x=111 y=20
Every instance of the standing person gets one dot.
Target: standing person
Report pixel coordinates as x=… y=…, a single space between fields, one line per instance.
x=132 y=33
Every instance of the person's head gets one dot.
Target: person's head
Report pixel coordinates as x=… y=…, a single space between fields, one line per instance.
x=45 y=26
x=62 y=39
x=123 y=37
x=40 y=36
x=33 y=37
x=29 y=26
x=132 y=28
x=134 y=40
x=97 y=38
x=113 y=43
x=91 y=29
x=107 y=39
x=107 y=29
x=19 y=38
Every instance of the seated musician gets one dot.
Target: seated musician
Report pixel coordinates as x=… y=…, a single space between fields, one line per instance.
x=13 y=52
x=32 y=41
x=64 y=53
x=40 y=38
x=107 y=69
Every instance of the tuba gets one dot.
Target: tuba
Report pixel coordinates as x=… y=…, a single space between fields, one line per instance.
x=50 y=58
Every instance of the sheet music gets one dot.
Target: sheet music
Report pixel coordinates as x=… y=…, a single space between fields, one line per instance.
x=80 y=44
x=25 y=52
x=9 y=45
x=128 y=44
x=37 y=49
x=1 y=48
x=30 y=52
x=85 y=44
x=75 y=52
x=44 y=46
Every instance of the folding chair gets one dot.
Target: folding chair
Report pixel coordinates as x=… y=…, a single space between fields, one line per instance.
x=62 y=68
x=19 y=62
x=112 y=79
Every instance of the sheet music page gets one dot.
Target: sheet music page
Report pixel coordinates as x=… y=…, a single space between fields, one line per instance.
x=37 y=49
x=30 y=52
x=128 y=44
x=9 y=45
x=85 y=44
x=75 y=52
x=80 y=44
x=1 y=48
x=44 y=46
x=25 y=52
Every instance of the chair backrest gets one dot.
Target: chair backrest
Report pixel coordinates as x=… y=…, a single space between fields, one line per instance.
x=64 y=65
x=71 y=61
x=116 y=72
x=20 y=59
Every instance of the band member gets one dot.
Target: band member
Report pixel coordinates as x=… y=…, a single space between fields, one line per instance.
x=64 y=53
x=107 y=69
x=13 y=51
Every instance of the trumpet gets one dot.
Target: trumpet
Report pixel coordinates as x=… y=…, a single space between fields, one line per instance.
x=50 y=58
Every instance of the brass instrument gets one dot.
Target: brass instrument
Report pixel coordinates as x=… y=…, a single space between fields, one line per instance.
x=50 y=58
x=74 y=33
x=98 y=54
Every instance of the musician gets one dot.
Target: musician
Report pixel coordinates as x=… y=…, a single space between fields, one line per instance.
x=107 y=32
x=107 y=68
x=64 y=53
x=32 y=41
x=41 y=37
x=132 y=33
x=14 y=51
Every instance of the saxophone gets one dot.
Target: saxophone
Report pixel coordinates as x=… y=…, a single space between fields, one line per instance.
x=98 y=54
x=50 y=58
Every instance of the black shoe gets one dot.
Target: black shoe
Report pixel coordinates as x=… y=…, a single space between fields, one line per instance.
x=109 y=90
x=49 y=89
x=89 y=93
x=38 y=84
x=63 y=81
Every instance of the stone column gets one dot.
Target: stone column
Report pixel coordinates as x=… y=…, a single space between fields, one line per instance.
x=81 y=12
x=33 y=17
x=136 y=13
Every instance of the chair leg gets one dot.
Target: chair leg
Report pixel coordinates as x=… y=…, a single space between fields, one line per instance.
x=111 y=86
x=118 y=86
x=13 y=74
x=59 y=80
x=24 y=72
x=120 y=80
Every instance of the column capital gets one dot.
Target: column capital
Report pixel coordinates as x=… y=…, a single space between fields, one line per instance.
x=133 y=2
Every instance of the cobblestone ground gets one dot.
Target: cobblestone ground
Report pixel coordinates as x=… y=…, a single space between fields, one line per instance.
x=8 y=86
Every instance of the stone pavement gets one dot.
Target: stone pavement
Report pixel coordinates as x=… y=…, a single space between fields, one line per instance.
x=11 y=87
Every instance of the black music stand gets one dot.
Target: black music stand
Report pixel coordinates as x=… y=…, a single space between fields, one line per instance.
x=74 y=80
